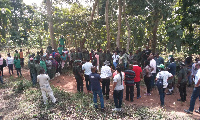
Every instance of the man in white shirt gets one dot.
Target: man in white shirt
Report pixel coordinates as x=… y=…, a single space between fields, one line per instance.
x=196 y=91
x=115 y=58
x=45 y=87
x=87 y=71
x=153 y=65
x=10 y=62
x=105 y=76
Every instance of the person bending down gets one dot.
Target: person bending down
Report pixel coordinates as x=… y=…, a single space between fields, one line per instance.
x=45 y=87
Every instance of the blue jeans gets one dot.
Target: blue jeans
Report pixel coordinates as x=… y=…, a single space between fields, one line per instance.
x=118 y=96
x=34 y=79
x=195 y=95
x=95 y=98
x=162 y=95
x=1 y=79
x=125 y=65
x=115 y=64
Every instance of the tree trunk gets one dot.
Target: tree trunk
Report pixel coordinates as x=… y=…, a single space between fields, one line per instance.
x=128 y=27
x=107 y=25
x=154 y=41
x=119 y=24
x=89 y=22
x=49 y=12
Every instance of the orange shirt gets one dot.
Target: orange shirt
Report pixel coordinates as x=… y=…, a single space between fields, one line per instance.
x=21 y=54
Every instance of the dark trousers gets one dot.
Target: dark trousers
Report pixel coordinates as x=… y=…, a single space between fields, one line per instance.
x=195 y=95
x=153 y=79
x=118 y=96
x=162 y=95
x=182 y=90
x=138 y=89
x=129 y=92
x=79 y=84
x=106 y=87
x=88 y=83
x=19 y=71
x=10 y=67
x=147 y=81
x=22 y=62
x=1 y=67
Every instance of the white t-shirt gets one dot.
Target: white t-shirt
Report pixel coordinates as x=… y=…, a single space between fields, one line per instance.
x=115 y=57
x=43 y=79
x=9 y=60
x=165 y=75
x=87 y=68
x=153 y=65
x=119 y=85
x=197 y=77
x=105 y=72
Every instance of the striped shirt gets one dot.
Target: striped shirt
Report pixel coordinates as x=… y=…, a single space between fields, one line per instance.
x=129 y=77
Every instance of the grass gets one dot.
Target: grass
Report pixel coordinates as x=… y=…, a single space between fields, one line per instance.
x=22 y=101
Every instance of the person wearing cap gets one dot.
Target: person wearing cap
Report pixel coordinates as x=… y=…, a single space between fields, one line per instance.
x=165 y=76
x=87 y=71
x=105 y=76
x=31 y=66
x=196 y=91
x=45 y=87
x=10 y=62
x=77 y=71
x=182 y=81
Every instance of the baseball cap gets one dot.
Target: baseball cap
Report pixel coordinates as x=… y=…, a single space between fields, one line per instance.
x=161 y=66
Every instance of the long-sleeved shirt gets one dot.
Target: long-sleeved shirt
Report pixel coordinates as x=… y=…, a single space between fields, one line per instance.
x=105 y=72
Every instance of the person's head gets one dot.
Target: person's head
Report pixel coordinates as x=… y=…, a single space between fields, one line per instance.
x=136 y=51
x=161 y=67
x=197 y=66
x=88 y=60
x=130 y=66
x=146 y=62
x=20 y=50
x=8 y=54
x=150 y=57
x=41 y=71
x=171 y=59
x=107 y=63
x=93 y=69
x=157 y=55
x=119 y=70
x=16 y=51
x=135 y=63
x=38 y=52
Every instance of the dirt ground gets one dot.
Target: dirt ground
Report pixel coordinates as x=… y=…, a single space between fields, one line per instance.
x=68 y=83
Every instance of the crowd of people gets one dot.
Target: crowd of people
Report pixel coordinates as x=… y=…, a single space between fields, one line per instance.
x=126 y=70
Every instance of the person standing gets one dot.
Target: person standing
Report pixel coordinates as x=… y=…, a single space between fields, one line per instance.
x=17 y=66
x=196 y=91
x=60 y=49
x=16 y=54
x=163 y=75
x=153 y=65
x=62 y=41
x=182 y=81
x=138 y=76
x=31 y=66
x=118 y=89
x=77 y=71
x=1 y=64
x=105 y=76
x=97 y=57
x=87 y=71
x=45 y=87
x=129 y=82
x=21 y=58
x=115 y=58
x=1 y=78
x=10 y=62
x=147 y=76
x=96 y=88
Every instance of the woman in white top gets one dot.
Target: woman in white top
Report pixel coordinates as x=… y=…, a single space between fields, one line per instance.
x=118 y=89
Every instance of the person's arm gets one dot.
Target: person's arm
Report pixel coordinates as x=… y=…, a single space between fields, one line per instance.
x=114 y=85
x=170 y=78
x=198 y=83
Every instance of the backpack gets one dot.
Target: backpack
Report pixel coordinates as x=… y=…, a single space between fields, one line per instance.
x=159 y=82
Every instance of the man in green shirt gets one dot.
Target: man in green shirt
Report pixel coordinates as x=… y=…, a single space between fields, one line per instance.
x=31 y=66
x=16 y=54
x=62 y=41
x=60 y=49
x=17 y=66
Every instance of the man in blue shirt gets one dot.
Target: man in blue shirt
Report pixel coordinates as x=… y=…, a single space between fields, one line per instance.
x=171 y=69
x=96 y=88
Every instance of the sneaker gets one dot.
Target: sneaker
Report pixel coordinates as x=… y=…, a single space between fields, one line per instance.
x=169 y=93
x=188 y=112
x=197 y=111
x=138 y=97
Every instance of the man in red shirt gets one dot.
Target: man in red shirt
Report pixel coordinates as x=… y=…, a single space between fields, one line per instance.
x=138 y=77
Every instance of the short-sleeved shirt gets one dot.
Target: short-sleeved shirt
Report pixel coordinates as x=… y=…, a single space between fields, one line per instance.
x=129 y=77
x=138 y=71
x=60 y=49
x=197 y=77
x=106 y=71
x=164 y=75
x=153 y=65
x=61 y=41
x=64 y=57
x=183 y=75
x=95 y=81
x=119 y=80
x=17 y=63
x=87 y=68
x=115 y=57
x=172 y=68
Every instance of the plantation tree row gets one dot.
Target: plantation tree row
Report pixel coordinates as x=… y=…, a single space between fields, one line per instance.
x=172 y=25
